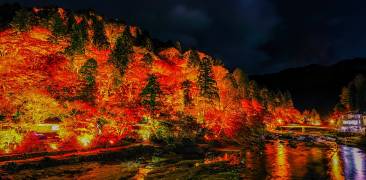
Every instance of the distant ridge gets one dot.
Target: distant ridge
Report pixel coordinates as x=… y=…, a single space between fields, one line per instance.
x=315 y=85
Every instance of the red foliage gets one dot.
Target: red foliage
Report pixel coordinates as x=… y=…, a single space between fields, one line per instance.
x=32 y=142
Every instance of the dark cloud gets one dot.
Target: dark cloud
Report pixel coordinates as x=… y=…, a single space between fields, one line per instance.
x=257 y=35
x=189 y=19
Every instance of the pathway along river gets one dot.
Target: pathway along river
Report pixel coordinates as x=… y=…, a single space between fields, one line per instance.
x=278 y=160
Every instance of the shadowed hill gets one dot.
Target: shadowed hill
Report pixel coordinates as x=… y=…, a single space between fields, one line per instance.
x=315 y=86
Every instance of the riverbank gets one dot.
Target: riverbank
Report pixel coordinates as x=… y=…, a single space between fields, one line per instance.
x=134 y=161
x=138 y=161
x=278 y=159
x=319 y=138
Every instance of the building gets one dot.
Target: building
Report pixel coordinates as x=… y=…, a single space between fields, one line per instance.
x=49 y=125
x=353 y=122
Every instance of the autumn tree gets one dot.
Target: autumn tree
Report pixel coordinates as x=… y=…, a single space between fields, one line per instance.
x=99 y=37
x=315 y=116
x=33 y=107
x=150 y=93
x=119 y=55
x=22 y=20
x=206 y=81
x=88 y=72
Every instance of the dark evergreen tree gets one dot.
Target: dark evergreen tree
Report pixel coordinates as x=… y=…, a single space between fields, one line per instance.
x=288 y=99
x=150 y=93
x=193 y=59
x=206 y=81
x=119 y=55
x=242 y=82
x=216 y=62
x=187 y=92
x=178 y=46
x=345 y=98
x=79 y=37
x=339 y=107
x=59 y=27
x=148 y=43
x=22 y=20
x=70 y=23
x=144 y=40
x=253 y=90
x=360 y=92
x=88 y=71
x=264 y=97
x=148 y=59
x=99 y=38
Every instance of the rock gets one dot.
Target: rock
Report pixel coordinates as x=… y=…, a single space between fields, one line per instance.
x=292 y=144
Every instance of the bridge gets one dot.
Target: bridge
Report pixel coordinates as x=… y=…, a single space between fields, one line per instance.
x=304 y=127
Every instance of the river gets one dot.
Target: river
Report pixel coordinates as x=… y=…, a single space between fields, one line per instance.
x=278 y=160
x=311 y=162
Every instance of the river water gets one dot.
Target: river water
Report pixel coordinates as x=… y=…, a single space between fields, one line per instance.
x=281 y=161
x=278 y=160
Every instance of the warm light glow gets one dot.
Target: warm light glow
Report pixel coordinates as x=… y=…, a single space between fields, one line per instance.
x=111 y=142
x=336 y=172
x=280 y=121
x=332 y=121
x=55 y=127
x=282 y=168
x=85 y=139
x=53 y=146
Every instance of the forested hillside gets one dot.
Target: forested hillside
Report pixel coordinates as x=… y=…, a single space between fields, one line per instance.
x=98 y=82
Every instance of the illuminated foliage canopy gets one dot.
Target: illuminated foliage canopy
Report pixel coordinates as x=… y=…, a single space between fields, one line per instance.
x=105 y=81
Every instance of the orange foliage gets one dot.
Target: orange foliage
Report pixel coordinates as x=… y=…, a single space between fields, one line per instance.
x=30 y=62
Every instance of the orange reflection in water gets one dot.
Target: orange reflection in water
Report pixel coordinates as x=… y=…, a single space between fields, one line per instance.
x=282 y=167
x=336 y=171
x=233 y=159
x=277 y=161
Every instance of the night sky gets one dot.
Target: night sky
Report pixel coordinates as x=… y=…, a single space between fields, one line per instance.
x=260 y=36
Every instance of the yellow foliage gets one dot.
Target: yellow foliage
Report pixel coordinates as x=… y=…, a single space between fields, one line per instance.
x=35 y=108
x=40 y=33
x=85 y=139
x=9 y=138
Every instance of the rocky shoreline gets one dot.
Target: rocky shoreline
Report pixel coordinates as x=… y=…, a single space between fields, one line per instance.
x=317 y=139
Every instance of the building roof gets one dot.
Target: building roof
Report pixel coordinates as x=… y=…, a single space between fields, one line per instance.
x=52 y=120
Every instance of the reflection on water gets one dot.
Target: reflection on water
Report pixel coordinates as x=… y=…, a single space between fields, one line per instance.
x=336 y=171
x=312 y=162
x=354 y=163
x=282 y=165
x=278 y=160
